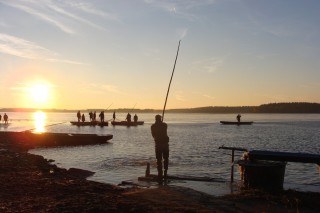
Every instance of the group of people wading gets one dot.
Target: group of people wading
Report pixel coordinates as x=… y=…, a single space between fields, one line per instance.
x=5 y=118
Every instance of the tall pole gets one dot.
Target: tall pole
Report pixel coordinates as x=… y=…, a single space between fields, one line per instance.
x=109 y=106
x=174 y=66
x=133 y=107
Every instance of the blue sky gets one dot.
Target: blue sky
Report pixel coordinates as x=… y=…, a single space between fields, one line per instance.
x=90 y=54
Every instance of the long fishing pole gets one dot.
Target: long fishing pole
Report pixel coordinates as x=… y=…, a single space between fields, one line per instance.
x=165 y=103
x=108 y=107
x=133 y=107
x=28 y=130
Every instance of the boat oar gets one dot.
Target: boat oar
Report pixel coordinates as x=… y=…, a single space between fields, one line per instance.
x=174 y=66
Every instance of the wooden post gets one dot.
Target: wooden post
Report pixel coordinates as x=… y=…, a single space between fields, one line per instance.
x=148 y=170
x=232 y=160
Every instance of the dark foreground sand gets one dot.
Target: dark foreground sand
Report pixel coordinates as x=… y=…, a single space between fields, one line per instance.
x=29 y=183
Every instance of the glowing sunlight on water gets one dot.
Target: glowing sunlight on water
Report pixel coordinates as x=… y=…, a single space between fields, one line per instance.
x=39 y=119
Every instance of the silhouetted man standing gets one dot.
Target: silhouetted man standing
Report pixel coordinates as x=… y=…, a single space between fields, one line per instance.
x=79 y=116
x=159 y=133
x=5 y=118
x=238 y=118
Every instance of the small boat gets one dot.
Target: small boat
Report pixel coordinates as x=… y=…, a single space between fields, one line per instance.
x=126 y=123
x=89 y=123
x=48 y=139
x=236 y=122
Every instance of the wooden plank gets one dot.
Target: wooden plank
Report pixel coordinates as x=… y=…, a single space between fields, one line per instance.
x=154 y=178
x=233 y=148
x=284 y=156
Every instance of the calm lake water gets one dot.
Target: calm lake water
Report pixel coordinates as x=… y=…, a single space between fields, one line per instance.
x=194 y=143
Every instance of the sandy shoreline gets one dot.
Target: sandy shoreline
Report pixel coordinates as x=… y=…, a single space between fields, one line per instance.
x=30 y=183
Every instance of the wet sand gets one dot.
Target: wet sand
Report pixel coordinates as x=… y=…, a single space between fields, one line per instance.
x=30 y=183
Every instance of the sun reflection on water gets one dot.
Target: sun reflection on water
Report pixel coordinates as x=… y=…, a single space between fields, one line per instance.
x=40 y=120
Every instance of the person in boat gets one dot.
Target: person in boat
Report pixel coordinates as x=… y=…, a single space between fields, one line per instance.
x=79 y=116
x=90 y=115
x=161 y=139
x=5 y=118
x=135 y=118
x=101 y=115
x=94 y=116
x=128 y=117
x=114 y=116
x=83 y=118
x=238 y=118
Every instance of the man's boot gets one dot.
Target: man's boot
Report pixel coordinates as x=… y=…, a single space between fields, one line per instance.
x=165 y=175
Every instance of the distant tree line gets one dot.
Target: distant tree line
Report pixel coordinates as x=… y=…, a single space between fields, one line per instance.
x=293 y=107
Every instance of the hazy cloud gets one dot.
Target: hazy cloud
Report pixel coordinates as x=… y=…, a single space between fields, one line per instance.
x=209 y=65
x=60 y=13
x=102 y=88
x=40 y=14
x=180 y=96
x=208 y=96
x=26 y=49
x=2 y=24
x=73 y=16
x=65 y=61
x=182 y=32
x=22 y=48
x=181 y=8
x=88 y=8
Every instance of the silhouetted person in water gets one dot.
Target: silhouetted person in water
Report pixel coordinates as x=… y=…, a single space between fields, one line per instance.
x=238 y=118
x=101 y=115
x=114 y=116
x=135 y=118
x=90 y=115
x=159 y=133
x=83 y=118
x=5 y=118
x=79 y=116
x=128 y=117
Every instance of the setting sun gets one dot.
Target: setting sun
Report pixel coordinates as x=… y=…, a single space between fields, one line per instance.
x=39 y=93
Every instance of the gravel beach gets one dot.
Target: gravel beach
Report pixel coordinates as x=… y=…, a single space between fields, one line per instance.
x=30 y=183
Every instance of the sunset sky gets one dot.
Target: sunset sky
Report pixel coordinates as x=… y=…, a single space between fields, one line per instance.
x=80 y=54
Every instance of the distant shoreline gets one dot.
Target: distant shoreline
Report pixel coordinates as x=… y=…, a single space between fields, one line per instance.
x=294 y=107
